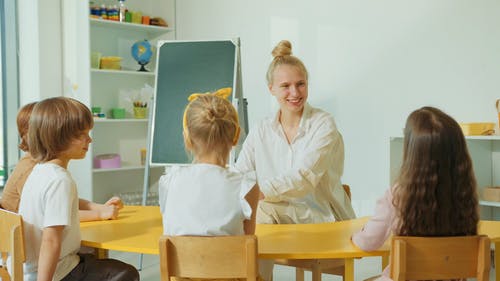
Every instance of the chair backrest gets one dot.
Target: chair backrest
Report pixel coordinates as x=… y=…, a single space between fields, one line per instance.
x=11 y=244
x=208 y=257
x=440 y=258
x=347 y=190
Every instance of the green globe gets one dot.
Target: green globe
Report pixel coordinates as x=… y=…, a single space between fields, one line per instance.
x=142 y=52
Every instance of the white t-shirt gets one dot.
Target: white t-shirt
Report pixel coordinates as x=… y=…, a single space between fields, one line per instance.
x=205 y=200
x=50 y=198
x=305 y=173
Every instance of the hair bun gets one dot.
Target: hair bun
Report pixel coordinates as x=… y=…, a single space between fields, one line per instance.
x=284 y=48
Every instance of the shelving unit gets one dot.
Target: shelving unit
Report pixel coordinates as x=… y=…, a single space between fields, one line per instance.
x=107 y=89
x=485 y=154
x=150 y=30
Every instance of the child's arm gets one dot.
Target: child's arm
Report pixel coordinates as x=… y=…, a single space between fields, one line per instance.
x=50 y=249
x=378 y=229
x=252 y=198
x=90 y=211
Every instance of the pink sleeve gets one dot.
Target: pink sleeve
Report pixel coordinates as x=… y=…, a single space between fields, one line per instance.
x=373 y=235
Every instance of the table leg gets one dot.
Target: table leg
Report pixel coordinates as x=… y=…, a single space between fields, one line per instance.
x=385 y=262
x=299 y=274
x=349 y=270
x=316 y=272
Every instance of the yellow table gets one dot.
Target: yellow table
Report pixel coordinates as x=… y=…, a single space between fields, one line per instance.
x=139 y=228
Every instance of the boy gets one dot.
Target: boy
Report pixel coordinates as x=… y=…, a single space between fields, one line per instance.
x=59 y=132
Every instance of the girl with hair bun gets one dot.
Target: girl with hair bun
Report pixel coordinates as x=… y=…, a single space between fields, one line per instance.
x=206 y=198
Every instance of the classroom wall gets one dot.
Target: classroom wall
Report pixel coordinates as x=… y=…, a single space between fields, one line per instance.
x=371 y=63
x=40 y=49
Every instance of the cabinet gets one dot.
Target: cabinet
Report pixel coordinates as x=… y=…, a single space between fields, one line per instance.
x=127 y=136
x=485 y=154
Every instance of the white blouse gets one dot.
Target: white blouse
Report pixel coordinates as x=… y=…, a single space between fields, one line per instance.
x=306 y=172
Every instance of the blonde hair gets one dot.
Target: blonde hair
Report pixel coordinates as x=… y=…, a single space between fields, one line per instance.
x=282 y=54
x=54 y=123
x=211 y=125
x=23 y=119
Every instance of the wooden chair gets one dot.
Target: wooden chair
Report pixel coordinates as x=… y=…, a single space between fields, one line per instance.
x=209 y=257
x=317 y=266
x=11 y=244
x=440 y=258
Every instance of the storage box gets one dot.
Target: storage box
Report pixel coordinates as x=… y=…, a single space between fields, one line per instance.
x=107 y=161
x=478 y=129
x=118 y=112
x=491 y=193
x=111 y=63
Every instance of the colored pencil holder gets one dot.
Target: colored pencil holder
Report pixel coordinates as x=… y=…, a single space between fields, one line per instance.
x=140 y=112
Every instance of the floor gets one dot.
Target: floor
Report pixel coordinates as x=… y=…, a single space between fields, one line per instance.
x=364 y=268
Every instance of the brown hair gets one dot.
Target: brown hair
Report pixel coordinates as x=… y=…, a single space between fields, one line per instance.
x=211 y=125
x=23 y=119
x=436 y=192
x=282 y=54
x=54 y=123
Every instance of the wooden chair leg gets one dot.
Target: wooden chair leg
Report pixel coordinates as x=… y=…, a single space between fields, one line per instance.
x=316 y=273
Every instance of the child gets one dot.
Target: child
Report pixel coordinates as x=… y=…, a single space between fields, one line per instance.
x=14 y=186
x=435 y=192
x=59 y=132
x=206 y=198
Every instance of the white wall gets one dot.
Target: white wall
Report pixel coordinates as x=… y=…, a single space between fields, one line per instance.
x=371 y=63
x=40 y=49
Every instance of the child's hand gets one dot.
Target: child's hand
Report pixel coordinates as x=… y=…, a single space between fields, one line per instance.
x=108 y=212
x=115 y=201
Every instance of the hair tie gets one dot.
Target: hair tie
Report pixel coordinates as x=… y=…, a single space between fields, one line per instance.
x=221 y=93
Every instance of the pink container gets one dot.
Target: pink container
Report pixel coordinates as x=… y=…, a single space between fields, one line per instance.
x=107 y=161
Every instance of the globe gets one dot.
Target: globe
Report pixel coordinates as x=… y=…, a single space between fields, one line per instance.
x=142 y=52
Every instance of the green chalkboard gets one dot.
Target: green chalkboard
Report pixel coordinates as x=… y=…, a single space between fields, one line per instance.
x=184 y=68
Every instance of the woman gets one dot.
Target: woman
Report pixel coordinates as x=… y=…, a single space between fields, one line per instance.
x=298 y=155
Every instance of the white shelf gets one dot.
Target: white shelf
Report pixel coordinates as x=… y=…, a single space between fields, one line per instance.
x=489 y=203
x=487 y=138
x=124 y=168
x=125 y=120
x=122 y=72
x=494 y=137
x=152 y=30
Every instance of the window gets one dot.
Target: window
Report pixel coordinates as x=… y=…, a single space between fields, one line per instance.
x=9 y=86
